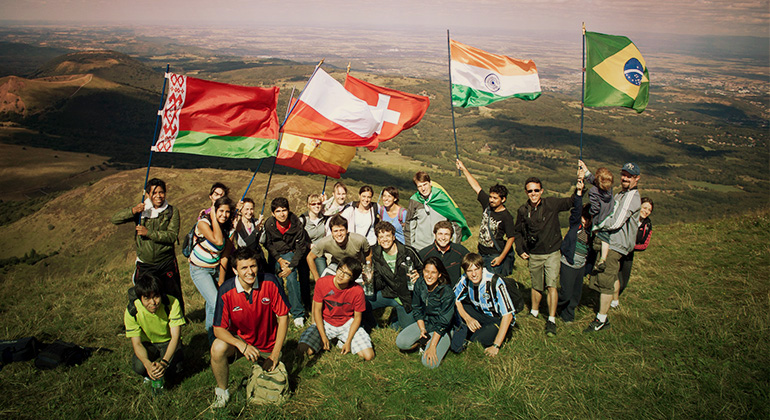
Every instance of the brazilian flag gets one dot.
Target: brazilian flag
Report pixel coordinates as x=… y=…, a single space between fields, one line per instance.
x=616 y=74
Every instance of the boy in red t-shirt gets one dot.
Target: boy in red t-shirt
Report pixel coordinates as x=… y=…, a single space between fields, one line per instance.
x=338 y=306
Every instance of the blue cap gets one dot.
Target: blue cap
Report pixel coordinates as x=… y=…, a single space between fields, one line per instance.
x=632 y=169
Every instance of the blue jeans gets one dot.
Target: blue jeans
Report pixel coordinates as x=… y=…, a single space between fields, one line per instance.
x=320 y=264
x=205 y=279
x=380 y=301
x=293 y=289
x=411 y=334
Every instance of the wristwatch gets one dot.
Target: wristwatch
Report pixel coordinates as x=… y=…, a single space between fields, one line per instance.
x=496 y=346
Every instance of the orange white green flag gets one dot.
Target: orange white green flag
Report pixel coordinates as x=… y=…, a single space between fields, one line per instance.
x=480 y=78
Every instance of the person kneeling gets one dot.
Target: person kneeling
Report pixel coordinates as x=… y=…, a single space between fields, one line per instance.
x=251 y=317
x=433 y=307
x=484 y=306
x=154 y=323
x=338 y=307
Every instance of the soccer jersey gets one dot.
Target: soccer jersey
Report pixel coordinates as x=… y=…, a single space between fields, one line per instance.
x=252 y=316
x=153 y=327
x=492 y=300
x=339 y=305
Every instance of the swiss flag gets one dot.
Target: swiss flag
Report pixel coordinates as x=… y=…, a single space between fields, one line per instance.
x=396 y=111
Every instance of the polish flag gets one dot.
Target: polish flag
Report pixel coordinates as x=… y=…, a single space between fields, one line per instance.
x=326 y=111
x=396 y=111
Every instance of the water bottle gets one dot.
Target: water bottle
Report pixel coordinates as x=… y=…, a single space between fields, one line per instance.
x=368 y=279
x=157 y=386
x=409 y=270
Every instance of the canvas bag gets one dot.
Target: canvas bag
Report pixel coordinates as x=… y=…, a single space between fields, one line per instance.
x=268 y=387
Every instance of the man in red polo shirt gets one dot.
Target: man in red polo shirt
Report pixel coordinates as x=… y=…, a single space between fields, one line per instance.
x=251 y=317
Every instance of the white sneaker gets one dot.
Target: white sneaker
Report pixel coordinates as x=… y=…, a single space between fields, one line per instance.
x=614 y=304
x=222 y=397
x=299 y=322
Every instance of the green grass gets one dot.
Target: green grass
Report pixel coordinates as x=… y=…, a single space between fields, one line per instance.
x=690 y=341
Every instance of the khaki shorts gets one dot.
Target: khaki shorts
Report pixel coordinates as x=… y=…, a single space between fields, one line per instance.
x=604 y=283
x=544 y=270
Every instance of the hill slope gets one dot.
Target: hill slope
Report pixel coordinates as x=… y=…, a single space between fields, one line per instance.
x=109 y=65
x=689 y=340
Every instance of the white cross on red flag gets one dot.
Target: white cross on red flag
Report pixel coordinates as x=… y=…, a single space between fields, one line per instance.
x=396 y=110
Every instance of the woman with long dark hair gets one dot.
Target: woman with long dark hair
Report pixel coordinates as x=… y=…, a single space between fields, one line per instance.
x=433 y=307
x=208 y=260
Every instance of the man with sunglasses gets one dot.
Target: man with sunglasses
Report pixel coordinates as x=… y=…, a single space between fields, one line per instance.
x=538 y=239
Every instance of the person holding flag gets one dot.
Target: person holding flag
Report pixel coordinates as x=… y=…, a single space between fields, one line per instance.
x=428 y=206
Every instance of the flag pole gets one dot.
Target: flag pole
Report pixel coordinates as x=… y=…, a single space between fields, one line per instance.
x=154 y=137
x=583 y=92
x=280 y=129
x=451 y=107
x=323 y=190
x=262 y=160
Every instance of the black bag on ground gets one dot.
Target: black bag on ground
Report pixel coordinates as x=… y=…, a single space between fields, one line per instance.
x=19 y=350
x=61 y=353
x=513 y=292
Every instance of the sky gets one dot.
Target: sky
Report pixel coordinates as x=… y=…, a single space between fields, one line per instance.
x=696 y=17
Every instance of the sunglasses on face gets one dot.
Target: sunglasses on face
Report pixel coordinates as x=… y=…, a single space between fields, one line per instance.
x=315 y=204
x=535 y=190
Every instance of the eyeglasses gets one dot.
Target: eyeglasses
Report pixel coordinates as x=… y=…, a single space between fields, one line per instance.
x=344 y=274
x=535 y=190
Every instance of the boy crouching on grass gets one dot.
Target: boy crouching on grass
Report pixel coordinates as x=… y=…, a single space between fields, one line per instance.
x=338 y=306
x=153 y=323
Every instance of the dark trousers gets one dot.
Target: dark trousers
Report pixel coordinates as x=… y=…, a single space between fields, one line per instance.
x=490 y=325
x=168 y=274
x=626 y=263
x=155 y=351
x=571 y=290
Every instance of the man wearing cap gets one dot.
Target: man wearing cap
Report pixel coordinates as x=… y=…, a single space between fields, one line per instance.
x=622 y=225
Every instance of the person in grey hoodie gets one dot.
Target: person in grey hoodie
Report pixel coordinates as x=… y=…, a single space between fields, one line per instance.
x=622 y=226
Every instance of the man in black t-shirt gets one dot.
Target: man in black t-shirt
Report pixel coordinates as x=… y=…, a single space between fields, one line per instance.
x=497 y=226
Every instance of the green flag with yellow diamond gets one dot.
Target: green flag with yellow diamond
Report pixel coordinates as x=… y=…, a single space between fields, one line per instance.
x=616 y=74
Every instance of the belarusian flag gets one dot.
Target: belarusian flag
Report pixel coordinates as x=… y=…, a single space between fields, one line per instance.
x=327 y=111
x=217 y=119
x=480 y=78
x=440 y=201
x=315 y=156
x=616 y=74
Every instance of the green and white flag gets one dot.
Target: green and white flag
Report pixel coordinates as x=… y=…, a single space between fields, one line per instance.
x=616 y=74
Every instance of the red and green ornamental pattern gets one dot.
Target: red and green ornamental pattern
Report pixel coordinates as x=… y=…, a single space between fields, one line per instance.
x=217 y=119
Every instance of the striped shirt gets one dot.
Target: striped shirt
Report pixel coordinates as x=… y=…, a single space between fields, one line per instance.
x=493 y=300
x=205 y=254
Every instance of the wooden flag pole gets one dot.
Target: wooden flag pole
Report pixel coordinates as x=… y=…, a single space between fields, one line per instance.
x=451 y=107
x=280 y=130
x=138 y=218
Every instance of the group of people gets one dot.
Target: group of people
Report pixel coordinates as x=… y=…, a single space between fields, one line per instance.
x=364 y=256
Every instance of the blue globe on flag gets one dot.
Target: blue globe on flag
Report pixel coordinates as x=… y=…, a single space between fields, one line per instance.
x=634 y=71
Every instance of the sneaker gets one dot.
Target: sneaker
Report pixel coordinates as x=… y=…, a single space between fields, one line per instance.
x=299 y=322
x=614 y=304
x=222 y=397
x=600 y=266
x=597 y=325
x=533 y=315
x=550 y=328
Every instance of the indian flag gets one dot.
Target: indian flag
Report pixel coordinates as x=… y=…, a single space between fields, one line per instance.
x=217 y=119
x=480 y=78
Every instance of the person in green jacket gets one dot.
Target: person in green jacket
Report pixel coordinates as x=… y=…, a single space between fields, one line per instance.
x=157 y=229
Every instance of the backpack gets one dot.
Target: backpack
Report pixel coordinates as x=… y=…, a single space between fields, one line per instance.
x=190 y=240
x=19 y=350
x=268 y=387
x=61 y=353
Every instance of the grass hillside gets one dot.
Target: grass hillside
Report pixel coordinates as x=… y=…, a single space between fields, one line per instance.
x=689 y=341
x=110 y=65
